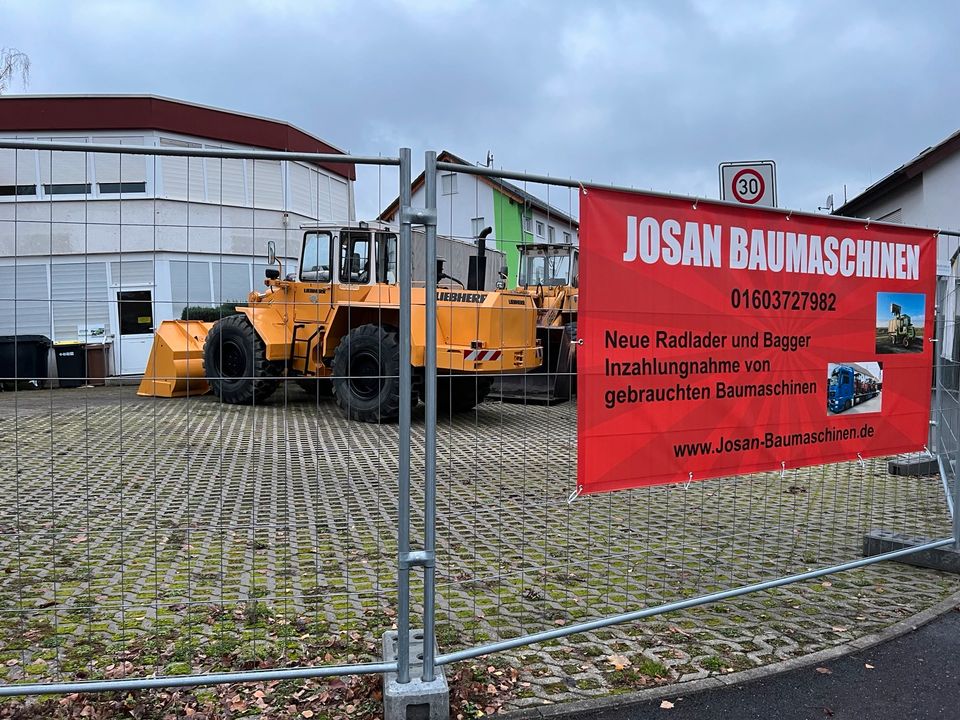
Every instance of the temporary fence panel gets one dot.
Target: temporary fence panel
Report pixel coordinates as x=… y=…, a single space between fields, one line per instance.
x=523 y=558
x=157 y=542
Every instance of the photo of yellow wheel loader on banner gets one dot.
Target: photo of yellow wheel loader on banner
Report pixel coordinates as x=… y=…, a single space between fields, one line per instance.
x=900 y=322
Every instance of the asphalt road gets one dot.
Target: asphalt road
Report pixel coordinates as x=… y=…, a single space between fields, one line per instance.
x=913 y=677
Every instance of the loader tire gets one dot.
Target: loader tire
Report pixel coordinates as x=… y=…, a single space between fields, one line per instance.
x=461 y=393
x=235 y=363
x=366 y=374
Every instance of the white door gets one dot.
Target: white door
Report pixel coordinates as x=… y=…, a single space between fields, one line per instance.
x=135 y=313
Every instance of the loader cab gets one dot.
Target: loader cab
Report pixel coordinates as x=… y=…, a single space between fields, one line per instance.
x=349 y=257
x=548 y=265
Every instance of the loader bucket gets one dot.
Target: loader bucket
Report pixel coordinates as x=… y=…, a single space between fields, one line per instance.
x=175 y=367
x=553 y=382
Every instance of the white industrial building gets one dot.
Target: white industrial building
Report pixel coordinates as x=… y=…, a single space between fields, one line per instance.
x=467 y=203
x=102 y=247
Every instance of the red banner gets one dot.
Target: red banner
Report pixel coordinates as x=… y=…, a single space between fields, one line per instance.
x=721 y=340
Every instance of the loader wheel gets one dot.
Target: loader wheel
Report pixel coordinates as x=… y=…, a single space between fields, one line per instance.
x=366 y=374
x=235 y=363
x=460 y=393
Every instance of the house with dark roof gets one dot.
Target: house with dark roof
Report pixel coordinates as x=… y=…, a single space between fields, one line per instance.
x=466 y=204
x=923 y=191
x=106 y=246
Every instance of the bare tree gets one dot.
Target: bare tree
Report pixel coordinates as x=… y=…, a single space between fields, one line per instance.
x=13 y=64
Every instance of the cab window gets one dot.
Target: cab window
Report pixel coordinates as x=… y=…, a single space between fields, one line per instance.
x=386 y=258
x=355 y=258
x=315 y=258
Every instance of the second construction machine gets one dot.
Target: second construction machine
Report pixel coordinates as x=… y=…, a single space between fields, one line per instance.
x=549 y=276
x=335 y=324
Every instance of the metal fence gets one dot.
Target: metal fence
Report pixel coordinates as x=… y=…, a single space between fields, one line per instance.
x=151 y=542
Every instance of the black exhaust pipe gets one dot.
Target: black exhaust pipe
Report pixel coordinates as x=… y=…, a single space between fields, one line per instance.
x=477 y=269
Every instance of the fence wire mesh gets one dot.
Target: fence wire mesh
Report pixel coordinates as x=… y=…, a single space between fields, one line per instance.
x=169 y=536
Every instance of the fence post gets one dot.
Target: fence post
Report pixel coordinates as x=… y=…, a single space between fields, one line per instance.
x=427 y=696
x=403 y=499
x=430 y=420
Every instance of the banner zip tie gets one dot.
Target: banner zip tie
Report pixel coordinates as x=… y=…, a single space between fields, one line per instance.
x=695 y=201
x=927 y=451
x=783 y=469
x=860 y=460
x=582 y=188
x=575 y=494
x=686 y=485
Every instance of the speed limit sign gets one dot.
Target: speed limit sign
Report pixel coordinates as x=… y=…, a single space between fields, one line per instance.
x=750 y=183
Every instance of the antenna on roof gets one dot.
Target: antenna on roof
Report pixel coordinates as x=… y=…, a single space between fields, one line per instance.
x=829 y=204
x=489 y=161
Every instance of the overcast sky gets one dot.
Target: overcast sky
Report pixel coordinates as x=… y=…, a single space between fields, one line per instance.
x=652 y=95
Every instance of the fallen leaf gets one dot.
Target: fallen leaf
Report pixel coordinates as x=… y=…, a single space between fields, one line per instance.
x=839 y=629
x=666 y=705
x=824 y=671
x=307 y=713
x=619 y=662
x=826 y=583
x=79 y=539
x=868 y=666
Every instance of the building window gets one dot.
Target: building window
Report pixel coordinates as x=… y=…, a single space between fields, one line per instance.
x=10 y=190
x=122 y=187
x=895 y=216
x=539 y=229
x=66 y=189
x=528 y=224
x=476 y=225
x=566 y=238
x=551 y=233
x=448 y=183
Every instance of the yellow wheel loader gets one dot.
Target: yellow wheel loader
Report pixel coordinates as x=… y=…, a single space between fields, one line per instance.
x=900 y=327
x=548 y=276
x=334 y=325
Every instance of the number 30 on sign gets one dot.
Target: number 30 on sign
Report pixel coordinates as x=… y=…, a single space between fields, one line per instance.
x=749 y=183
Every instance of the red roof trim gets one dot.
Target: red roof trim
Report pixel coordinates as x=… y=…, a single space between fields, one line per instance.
x=27 y=114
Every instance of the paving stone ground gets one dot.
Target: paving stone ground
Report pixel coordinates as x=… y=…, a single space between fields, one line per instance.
x=127 y=521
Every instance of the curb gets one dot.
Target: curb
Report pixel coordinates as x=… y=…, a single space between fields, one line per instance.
x=581 y=708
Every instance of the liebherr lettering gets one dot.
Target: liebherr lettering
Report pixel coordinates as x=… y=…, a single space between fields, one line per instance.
x=461 y=297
